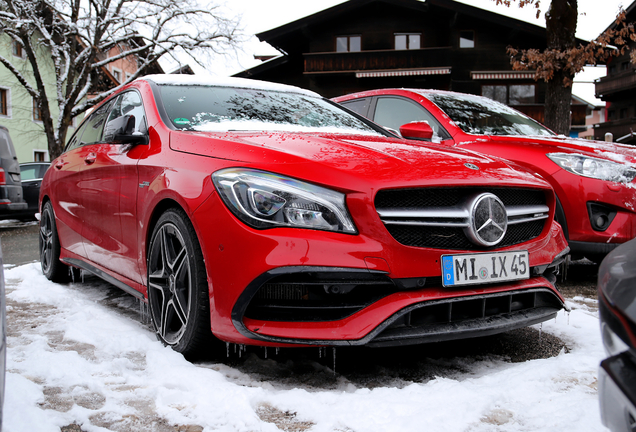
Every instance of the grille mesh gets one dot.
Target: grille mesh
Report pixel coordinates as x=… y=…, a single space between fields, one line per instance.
x=448 y=237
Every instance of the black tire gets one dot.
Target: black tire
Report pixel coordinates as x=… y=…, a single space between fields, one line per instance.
x=178 y=296
x=49 y=244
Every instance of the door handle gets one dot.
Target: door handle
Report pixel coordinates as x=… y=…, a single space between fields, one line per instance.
x=90 y=158
x=59 y=164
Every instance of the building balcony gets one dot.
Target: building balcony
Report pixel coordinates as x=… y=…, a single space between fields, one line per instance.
x=615 y=83
x=428 y=60
x=624 y=130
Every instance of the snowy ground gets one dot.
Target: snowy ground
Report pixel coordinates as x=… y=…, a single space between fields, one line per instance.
x=79 y=357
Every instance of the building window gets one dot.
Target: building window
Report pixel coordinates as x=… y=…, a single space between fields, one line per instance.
x=4 y=102
x=404 y=41
x=495 y=92
x=611 y=69
x=16 y=49
x=623 y=113
x=611 y=115
x=40 y=155
x=37 y=114
x=625 y=66
x=117 y=75
x=467 y=39
x=348 y=43
x=516 y=94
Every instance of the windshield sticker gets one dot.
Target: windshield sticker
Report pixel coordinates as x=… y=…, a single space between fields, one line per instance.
x=181 y=121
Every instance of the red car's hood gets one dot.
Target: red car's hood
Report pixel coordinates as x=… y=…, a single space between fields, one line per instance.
x=371 y=159
x=601 y=149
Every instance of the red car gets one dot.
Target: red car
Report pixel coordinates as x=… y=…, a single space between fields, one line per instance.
x=593 y=181
x=267 y=215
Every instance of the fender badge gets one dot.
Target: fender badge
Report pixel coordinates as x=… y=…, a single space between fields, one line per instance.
x=471 y=166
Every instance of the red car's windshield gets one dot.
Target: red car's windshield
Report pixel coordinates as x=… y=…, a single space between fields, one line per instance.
x=209 y=108
x=482 y=116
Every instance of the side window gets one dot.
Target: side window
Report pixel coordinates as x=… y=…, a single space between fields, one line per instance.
x=394 y=112
x=92 y=131
x=128 y=104
x=29 y=172
x=360 y=106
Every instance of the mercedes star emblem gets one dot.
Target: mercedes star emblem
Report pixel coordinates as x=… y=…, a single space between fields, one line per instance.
x=488 y=220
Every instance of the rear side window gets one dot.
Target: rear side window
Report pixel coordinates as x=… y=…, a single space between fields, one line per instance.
x=394 y=112
x=360 y=106
x=6 y=148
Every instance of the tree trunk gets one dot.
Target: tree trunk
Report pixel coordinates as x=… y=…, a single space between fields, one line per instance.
x=557 y=108
x=560 y=22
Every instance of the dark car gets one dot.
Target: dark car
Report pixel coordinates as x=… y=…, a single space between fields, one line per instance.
x=32 y=174
x=594 y=181
x=11 y=197
x=267 y=215
x=3 y=336
x=617 y=306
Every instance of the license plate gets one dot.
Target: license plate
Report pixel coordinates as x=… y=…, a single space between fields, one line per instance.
x=481 y=268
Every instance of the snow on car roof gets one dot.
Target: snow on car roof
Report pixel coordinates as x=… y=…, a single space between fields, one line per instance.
x=197 y=80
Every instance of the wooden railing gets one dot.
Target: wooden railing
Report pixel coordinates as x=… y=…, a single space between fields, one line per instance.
x=613 y=83
x=377 y=60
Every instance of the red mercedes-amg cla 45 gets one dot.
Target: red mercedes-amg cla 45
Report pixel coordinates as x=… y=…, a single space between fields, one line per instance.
x=264 y=214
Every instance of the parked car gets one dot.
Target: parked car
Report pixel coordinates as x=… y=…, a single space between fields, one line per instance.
x=593 y=181
x=617 y=307
x=11 y=198
x=32 y=174
x=273 y=217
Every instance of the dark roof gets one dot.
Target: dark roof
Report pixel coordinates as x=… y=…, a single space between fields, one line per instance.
x=283 y=31
x=266 y=65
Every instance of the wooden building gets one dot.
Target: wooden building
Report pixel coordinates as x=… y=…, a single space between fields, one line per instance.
x=441 y=44
x=618 y=90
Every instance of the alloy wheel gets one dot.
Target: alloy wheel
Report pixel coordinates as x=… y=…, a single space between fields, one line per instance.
x=170 y=280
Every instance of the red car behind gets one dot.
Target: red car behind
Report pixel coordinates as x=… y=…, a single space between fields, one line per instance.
x=593 y=181
x=267 y=215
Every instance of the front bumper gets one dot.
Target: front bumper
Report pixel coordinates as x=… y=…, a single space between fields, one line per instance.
x=277 y=309
x=396 y=291
x=599 y=214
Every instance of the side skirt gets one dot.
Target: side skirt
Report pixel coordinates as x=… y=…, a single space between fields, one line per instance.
x=105 y=276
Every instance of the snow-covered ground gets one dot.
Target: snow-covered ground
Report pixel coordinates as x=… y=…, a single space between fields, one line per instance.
x=79 y=355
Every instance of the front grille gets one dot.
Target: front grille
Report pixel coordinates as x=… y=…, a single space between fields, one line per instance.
x=439 y=218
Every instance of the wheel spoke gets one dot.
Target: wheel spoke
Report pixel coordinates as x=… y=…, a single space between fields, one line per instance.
x=178 y=311
x=166 y=317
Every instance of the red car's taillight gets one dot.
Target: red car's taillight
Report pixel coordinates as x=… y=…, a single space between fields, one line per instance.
x=3 y=177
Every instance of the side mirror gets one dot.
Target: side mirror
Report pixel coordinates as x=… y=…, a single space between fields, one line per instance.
x=421 y=131
x=121 y=131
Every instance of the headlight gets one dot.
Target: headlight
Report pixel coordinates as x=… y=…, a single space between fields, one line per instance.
x=593 y=167
x=266 y=200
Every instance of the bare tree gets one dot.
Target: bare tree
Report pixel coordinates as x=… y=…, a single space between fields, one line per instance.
x=74 y=37
x=563 y=57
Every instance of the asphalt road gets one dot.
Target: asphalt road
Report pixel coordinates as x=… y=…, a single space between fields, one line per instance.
x=19 y=242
